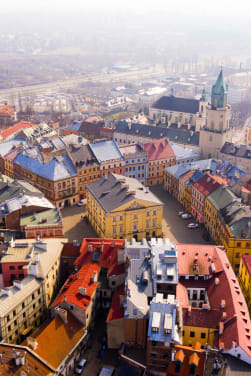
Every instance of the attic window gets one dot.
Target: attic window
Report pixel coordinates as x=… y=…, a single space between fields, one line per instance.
x=241 y=304
x=248 y=337
x=237 y=292
x=245 y=320
x=183 y=253
x=247 y=330
x=234 y=280
x=243 y=312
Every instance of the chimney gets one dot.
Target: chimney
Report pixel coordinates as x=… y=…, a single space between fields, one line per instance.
x=90 y=247
x=221 y=327
x=223 y=304
x=216 y=281
x=189 y=311
x=205 y=306
x=224 y=315
x=65 y=298
x=82 y=291
x=17 y=284
x=94 y=277
x=38 y=238
x=62 y=313
x=32 y=344
x=37 y=257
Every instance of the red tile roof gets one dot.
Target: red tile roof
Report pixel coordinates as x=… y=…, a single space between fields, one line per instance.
x=159 y=149
x=6 y=110
x=94 y=255
x=221 y=287
x=15 y=128
x=247 y=262
x=206 y=185
x=116 y=311
x=70 y=290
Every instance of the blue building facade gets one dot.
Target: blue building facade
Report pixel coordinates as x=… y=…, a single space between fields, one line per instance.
x=135 y=158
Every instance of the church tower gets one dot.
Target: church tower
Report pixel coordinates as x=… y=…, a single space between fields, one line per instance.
x=216 y=130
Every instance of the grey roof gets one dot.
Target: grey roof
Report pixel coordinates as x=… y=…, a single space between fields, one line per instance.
x=182 y=153
x=16 y=203
x=180 y=136
x=171 y=103
x=241 y=151
x=242 y=227
x=83 y=156
x=204 y=165
x=138 y=291
x=113 y=191
x=106 y=150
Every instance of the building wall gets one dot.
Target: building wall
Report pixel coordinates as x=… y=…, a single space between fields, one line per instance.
x=44 y=231
x=116 y=166
x=115 y=333
x=242 y=163
x=135 y=332
x=124 y=223
x=245 y=283
x=27 y=313
x=167 y=116
x=200 y=334
x=13 y=271
x=12 y=220
x=155 y=170
x=197 y=205
x=87 y=175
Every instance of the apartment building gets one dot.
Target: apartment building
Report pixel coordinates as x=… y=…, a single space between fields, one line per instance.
x=135 y=161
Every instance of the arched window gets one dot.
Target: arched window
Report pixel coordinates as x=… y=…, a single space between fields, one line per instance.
x=212 y=125
x=221 y=125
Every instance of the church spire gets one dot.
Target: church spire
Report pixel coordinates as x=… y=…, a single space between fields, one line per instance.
x=219 y=93
x=203 y=95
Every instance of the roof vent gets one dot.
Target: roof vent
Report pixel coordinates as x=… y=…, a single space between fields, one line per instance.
x=224 y=315
x=90 y=248
x=82 y=291
x=216 y=281
x=223 y=303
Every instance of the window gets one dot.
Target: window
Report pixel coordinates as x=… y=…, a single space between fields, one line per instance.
x=148 y=223
x=120 y=228
x=23 y=305
x=114 y=219
x=135 y=226
x=238 y=245
x=113 y=283
x=203 y=335
x=114 y=229
x=237 y=255
x=154 y=223
x=147 y=213
x=24 y=314
x=121 y=218
x=12 y=267
x=33 y=296
x=8 y=318
x=154 y=212
x=20 y=267
x=9 y=328
x=14 y=312
x=192 y=334
x=247 y=245
x=135 y=216
x=15 y=322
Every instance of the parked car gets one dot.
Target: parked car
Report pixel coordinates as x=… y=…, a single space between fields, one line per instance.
x=82 y=202
x=81 y=365
x=193 y=225
x=186 y=216
x=180 y=213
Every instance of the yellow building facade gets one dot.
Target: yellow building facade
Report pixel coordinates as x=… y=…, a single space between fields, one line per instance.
x=139 y=217
x=199 y=334
x=244 y=278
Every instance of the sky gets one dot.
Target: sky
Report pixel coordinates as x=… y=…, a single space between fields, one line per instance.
x=199 y=7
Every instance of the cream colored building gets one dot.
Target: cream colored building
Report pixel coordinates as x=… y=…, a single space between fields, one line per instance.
x=23 y=304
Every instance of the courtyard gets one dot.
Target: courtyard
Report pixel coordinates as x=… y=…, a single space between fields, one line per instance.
x=173 y=226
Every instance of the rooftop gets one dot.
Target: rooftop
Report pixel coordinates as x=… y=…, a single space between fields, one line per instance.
x=14 y=129
x=59 y=168
x=35 y=365
x=106 y=150
x=206 y=185
x=114 y=190
x=241 y=151
x=221 y=197
x=57 y=339
x=49 y=217
x=223 y=292
x=183 y=153
x=172 y=103
x=159 y=149
x=181 y=136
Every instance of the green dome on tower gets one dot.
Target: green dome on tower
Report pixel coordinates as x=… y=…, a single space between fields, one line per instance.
x=219 y=93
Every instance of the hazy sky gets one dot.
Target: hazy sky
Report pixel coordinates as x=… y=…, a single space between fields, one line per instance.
x=220 y=7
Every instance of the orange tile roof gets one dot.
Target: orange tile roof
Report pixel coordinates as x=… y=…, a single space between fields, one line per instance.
x=159 y=149
x=187 y=175
x=15 y=128
x=116 y=311
x=57 y=339
x=194 y=359
x=219 y=179
x=179 y=355
x=70 y=290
